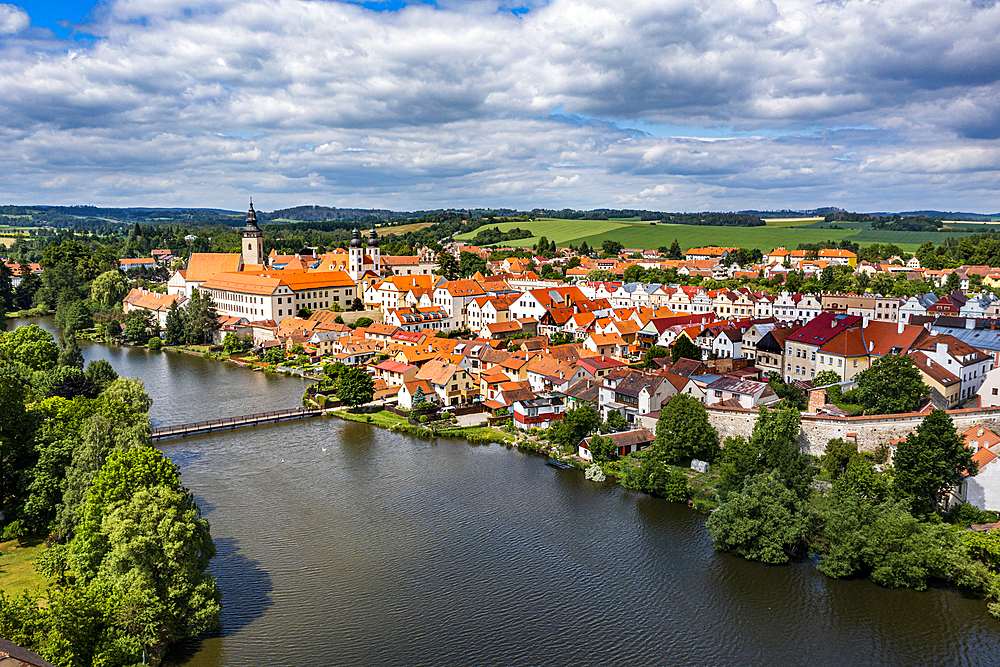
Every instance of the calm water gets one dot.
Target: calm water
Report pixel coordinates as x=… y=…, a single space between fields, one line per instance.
x=342 y=544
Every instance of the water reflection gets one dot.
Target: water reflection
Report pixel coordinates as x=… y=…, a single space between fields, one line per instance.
x=392 y=550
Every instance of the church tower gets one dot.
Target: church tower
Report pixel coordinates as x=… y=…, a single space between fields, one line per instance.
x=374 y=250
x=253 y=240
x=355 y=257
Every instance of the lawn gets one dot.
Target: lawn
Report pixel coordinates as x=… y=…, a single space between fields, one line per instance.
x=402 y=229
x=17 y=566
x=560 y=231
x=790 y=222
x=690 y=236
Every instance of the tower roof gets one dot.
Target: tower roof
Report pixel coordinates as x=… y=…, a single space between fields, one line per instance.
x=251 y=225
x=356 y=241
x=373 y=239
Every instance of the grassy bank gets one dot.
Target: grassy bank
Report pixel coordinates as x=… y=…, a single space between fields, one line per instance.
x=394 y=422
x=17 y=566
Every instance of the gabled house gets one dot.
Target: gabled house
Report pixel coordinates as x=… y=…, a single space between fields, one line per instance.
x=539 y=412
x=742 y=393
x=626 y=442
x=452 y=384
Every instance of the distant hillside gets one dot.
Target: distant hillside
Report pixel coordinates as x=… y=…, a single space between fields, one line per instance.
x=788 y=213
x=315 y=213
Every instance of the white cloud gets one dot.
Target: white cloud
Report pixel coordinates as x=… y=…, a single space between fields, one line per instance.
x=429 y=107
x=13 y=19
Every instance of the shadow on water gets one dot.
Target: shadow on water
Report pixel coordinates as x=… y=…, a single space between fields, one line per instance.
x=246 y=596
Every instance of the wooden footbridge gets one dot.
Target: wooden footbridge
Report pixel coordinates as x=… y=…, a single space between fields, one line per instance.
x=181 y=430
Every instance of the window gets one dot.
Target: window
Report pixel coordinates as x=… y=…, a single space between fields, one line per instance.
x=718 y=394
x=994 y=391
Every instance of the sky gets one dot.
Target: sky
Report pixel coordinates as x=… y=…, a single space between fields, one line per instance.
x=674 y=105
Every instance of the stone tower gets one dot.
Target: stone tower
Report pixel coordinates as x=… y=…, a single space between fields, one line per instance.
x=253 y=240
x=355 y=257
x=374 y=251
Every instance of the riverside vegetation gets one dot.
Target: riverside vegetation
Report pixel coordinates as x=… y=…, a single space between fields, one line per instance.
x=851 y=513
x=125 y=564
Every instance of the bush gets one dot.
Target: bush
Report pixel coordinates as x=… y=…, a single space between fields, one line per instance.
x=155 y=343
x=423 y=419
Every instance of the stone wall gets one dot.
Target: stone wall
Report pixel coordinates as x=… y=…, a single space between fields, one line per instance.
x=868 y=432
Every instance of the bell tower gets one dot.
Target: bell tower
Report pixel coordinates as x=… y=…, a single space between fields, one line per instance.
x=374 y=251
x=355 y=256
x=253 y=240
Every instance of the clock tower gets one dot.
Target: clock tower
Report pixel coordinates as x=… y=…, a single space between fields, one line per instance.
x=253 y=240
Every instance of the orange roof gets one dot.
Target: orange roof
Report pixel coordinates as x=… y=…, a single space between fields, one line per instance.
x=983 y=456
x=204 y=265
x=849 y=343
x=304 y=280
x=243 y=283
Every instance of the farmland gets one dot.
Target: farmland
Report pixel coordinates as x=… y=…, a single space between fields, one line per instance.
x=788 y=233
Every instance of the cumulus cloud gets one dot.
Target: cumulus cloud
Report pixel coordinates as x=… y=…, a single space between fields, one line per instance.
x=13 y=19
x=882 y=105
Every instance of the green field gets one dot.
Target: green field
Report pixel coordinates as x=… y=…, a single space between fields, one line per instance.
x=17 y=567
x=777 y=233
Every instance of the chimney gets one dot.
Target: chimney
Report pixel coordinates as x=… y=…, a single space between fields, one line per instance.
x=833 y=323
x=899 y=327
x=970 y=323
x=871 y=345
x=941 y=348
x=929 y=362
x=979 y=431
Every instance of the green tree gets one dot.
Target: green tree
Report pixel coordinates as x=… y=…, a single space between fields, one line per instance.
x=17 y=427
x=69 y=352
x=24 y=294
x=159 y=547
x=611 y=248
x=675 y=251
x=634 y=274
x=364 y=322
x=6 y=289
x=30 y=345
x=202 y=319
x=575 y=425
x=685 y=348
x=355 y=387
x=101 y=373
x=123 y=475
x=601 y=448
x=763 y=521
x=137 y=326
x=600 y=275
x=470 y=263
x=109 y=289
x=837 y=455
x=615 y=422
x=654 y=352
x=931 y=461
x=893 y=547
x=231 y=343
x=176 y=325
x=447 y=266
x=683 y=431
x=890 y=385
x=825 y=378
x=772 y=448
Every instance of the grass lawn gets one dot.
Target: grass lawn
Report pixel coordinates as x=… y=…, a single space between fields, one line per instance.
x=483 y=431
x=402 y=229
x=790 y=222
x=560 y=231
x=17 y=566
x=383 y=418
x=690 y=236
x=788 y=232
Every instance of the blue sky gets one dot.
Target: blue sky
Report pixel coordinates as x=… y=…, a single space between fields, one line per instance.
x=654 y=104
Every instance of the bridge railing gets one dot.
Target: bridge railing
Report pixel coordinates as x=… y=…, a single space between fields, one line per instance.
x=227 y=421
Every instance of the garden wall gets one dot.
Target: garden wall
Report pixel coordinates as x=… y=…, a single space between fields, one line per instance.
x=869 y=431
